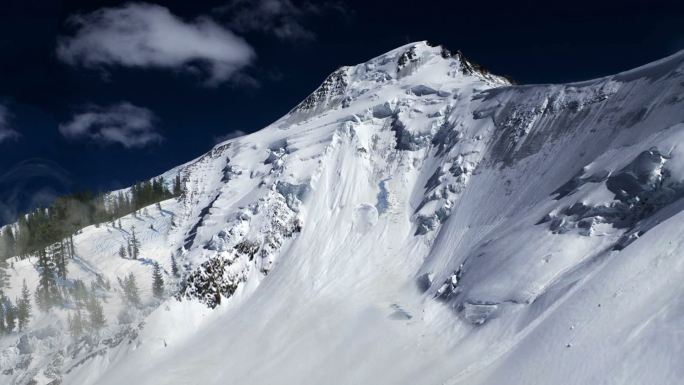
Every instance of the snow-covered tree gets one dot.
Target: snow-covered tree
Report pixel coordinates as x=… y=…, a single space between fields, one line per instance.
x=24 y=307
x=72 y=249
x=59 y=251
x=96 y=318
x=47 y=293
x=3 y=328
x=157 y=281
x=4 y=277
x=79 y=293
x=177 y=188
x=7 y=243
x=76 y=324
x=131 y=293
x=174 y=267
x=134 y=245
x=10 y=314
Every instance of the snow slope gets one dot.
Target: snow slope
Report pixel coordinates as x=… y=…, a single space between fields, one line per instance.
x=415 y=220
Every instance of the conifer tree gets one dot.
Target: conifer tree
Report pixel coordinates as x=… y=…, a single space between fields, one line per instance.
x=7 y=243
x=157 y=282
x=135 y=245
x=3 y=328
x=10 y=315
x=76 y=324
x=102 y=282
x=4 y=277
x=174 y=267
x=96 y=316
x=47 y=293
x=79 y=292
x=22 y=236
x=72 y=250
x=177 y=189
x=59 y=250
x=24 y=307
x=122 y=252
x=130 y=290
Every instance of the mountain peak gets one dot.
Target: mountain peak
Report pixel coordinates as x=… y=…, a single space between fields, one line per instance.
x=419 y=64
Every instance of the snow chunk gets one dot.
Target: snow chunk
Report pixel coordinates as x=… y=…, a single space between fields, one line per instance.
x=365 y=217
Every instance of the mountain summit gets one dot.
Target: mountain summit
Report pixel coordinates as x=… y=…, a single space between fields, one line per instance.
x=415 y=220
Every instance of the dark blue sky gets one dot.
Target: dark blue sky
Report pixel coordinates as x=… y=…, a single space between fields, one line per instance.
x=295 y=47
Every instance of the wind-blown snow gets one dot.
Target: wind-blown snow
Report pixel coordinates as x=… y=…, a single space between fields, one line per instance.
x=417 y=220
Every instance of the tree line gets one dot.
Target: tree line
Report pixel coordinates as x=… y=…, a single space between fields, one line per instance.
x=47 y=226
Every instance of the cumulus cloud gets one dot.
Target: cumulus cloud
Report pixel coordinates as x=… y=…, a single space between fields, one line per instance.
x=229 y=136
x=122 y=123
x=282 y=18
x=6 y=132
x=149 y=36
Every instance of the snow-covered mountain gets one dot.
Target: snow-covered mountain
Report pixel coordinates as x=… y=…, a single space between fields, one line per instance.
x=415 y=220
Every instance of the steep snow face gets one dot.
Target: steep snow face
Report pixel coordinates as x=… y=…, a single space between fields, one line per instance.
x=418 y=220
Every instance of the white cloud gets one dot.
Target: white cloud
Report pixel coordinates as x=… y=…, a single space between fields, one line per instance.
x=229 y=136
x=281 y=18
x=149 y=35
x=122 y=123
x=6 y=133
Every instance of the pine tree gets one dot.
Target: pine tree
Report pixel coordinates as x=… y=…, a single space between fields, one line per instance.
x=96 y=316
x=59 y=250
x=10 y=315
x=47 y=293
x=130 y=290
x=4 y=277
x=122 y=252
x=174 y=267
x=135 y=245
x=24 y=307
x=79 y=292
x=72 y=249
x=7 y=243
x=157 y=281
x=76 y=324
x=102 y=282
x=22 y=236
x=3 y=328
x=177 y=189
